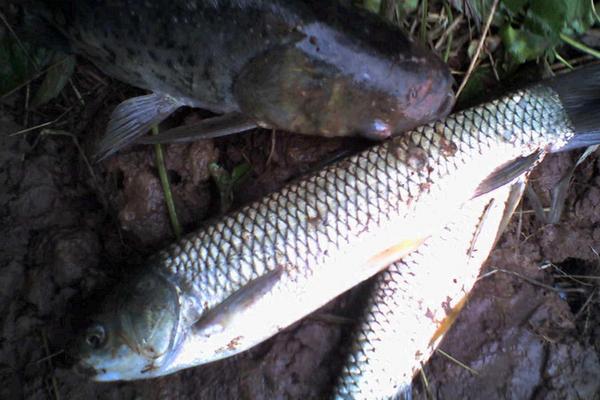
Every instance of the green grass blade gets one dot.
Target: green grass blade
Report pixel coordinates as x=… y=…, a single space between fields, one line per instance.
x=164 y=180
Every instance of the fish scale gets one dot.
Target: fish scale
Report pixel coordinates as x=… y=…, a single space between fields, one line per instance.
x=369 y=190
x=250 y=274
x=375 y=189
x=395 y=335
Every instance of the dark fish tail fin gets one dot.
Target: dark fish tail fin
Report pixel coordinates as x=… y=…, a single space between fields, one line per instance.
x=208 y=128
x=579 y=92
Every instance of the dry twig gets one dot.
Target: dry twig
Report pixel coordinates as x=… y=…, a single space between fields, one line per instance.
x=475 y=59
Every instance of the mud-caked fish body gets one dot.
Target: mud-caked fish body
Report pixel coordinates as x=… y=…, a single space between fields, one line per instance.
x=414 y=301
x=313 y=67
x=243 y=278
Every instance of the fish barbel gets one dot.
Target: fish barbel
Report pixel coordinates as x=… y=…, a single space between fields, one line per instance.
x=308 y=66
x=414 y=301
x=248 y=275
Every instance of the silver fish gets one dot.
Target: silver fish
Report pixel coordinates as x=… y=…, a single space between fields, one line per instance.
x=248 y=275
x=415 y=301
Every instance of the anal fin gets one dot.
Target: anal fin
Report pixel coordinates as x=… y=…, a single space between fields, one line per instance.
x=514 y=198
x=133 y=118
x=208 y=128
x=507 y=172
x=447 y=322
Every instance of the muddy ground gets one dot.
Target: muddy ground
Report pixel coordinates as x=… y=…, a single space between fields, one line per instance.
x=70 y=228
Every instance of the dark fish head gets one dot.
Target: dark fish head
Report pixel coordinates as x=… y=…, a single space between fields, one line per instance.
x=412 y=90
x=328 y=86
x=133 y=336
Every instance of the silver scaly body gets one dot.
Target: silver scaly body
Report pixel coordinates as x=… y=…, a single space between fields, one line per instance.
x=414 y=301
x=333 y=230
x=250 y=274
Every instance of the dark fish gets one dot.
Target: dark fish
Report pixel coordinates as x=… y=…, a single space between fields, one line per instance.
x=312 y=67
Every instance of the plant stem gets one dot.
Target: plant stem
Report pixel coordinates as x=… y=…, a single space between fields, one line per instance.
x=451 y=34
x=475 y=60
x=164 y=180
x=580 y=46
x=423 y=27
x=562 y=60
x=387 y=8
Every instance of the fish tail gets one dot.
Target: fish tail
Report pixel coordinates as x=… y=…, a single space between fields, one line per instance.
x=579 y=92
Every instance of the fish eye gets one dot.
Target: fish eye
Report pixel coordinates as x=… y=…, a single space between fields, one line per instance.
x=95 y=336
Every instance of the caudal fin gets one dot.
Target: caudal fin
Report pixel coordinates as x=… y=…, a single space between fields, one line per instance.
x=579 y=92
x=208 y=128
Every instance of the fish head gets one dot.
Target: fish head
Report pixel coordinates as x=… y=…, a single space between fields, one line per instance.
x=133 y=335
x=301 y=89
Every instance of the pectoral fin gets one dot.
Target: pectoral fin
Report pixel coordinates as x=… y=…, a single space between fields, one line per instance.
x=208 y=128
x=507 y=172
x=217 y=318
x=393 y=253
x=133 y=118
x=447 y=323
x=514 y=197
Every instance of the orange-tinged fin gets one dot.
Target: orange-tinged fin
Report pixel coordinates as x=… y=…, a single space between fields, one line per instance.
x=507 y=172
x=394 y=253
x=217 y=318
x=514 y=196
x=208 y=128
x=133 y=118
x=480 y=226
x=447 y=323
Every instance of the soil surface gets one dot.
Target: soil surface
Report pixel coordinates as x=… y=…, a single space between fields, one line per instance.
x=70 y=229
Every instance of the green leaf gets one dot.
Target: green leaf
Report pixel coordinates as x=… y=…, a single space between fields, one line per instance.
x=552 y=17
x=478 y=10
x=20 y=63
x=547 y=16
x=372 y=5
x=407 y=6
x=523 y=45
x=239 y=173
x=226 y=182
x=219 y=174
x=579 y=16
x=57 y=77
x=482 y=78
